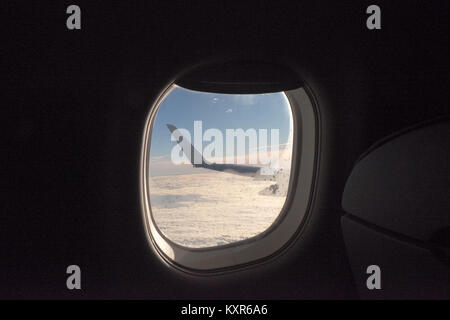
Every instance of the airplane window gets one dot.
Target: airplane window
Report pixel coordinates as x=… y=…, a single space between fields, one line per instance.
x=219 y=165
x=226 y=178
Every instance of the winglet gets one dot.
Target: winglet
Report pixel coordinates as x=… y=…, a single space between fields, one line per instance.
x=171 y=127
x=188 y=149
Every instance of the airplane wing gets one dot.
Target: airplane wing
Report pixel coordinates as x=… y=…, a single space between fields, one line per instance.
x=198 y=161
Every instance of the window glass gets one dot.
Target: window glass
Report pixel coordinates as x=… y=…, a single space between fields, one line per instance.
x=219 y=165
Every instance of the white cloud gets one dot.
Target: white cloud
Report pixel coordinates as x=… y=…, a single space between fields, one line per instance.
x=194 y=211
x=229 y=110
x=246 y=99
x=154 y=159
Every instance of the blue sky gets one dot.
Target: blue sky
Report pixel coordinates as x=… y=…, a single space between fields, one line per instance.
x=221 y=111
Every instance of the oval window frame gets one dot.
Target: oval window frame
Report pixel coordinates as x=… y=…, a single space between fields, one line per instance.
x=285 y=227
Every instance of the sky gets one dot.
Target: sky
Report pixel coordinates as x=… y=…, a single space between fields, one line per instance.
x=182 y=107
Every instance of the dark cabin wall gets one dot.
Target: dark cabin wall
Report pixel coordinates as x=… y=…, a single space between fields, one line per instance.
x=76 y=104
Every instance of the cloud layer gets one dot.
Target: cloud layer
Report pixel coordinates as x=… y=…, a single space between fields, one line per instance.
x=211 y=209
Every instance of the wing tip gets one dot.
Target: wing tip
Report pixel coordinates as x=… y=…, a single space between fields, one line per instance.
x=171 y=127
